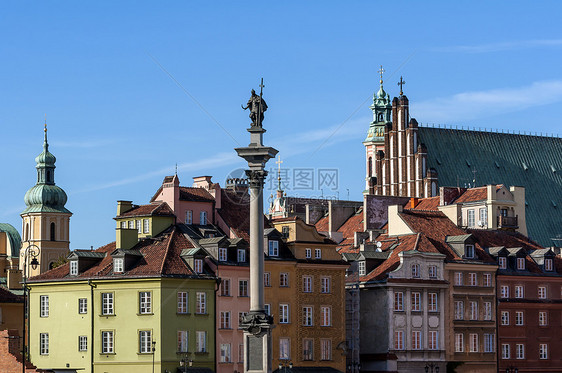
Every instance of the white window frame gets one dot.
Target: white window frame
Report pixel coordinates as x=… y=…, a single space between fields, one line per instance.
x=198 y=265
x=189 y=217
x=139 y=226
x=145 y=302
x=325 y=286
x=416 y=301
x=398 y=301
x=473 y=310
x=273 y=248
x=506 y=351
x=307 y=316
x=548 y=264
x=183 y=302
x=146 y=226
x=325 y=349
x=415 y=270
x=489 y=342
x=470 y=218
x=326 y=316
x=307 y=284
x=107 y=342
x=82 y=343
x=543 y=318
x=473 y=342
x=284 y=315
x=520 y=351
x=145 y=341
x=200 y=341
x=44 y=343
x=225 y=287
x=362 y=269
x=417 y=340
x=183 y=341
x=44 y=305
x=502 y=262
x=74 y=267
x=118 y=265
x=308 y=253
x=203 y=218
x=470 y=251
x=284 y=348
x=483 y=216
x=225 y=353
x=225 y=320
x=131 y=224
x=433 y=340
x=399 y=340
x=459 y=310
x=223 y=254
x=519 y=318
x=317 y=254
x=201 y=303
x=458 y=279
x=107 y=304
x=521 y=264
x=433 y=302
x=459 y=342
x=241 y=255
x=432 y=271
x=308 y=349
x=542 y=292
x=82 y=305
x=543 y=351
x=505 y=318
x=266 y=279
x=518 y=291
x=487 y=311
x=504 y=291
x=284 y=279
x=487 y=280
x=243 y=288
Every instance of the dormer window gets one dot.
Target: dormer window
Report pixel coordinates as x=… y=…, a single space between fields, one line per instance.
x=74 y=267
x=222 y=254
x=131 y=224
x=415 y=270
x=189 y=217
x=469 y=251
x=432 y=271
x=203 y=218
x=502 y=261
x=273 y=248
x=198 y=264
x=285 y=232
x=241 y=255
x=520 y=264
x=548 y=264
x=118 y=265
x=362 y=268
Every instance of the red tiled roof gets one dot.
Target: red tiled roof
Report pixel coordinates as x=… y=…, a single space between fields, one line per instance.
x=160 y=257
x=7 y=296
x=322 y=224
x=195 y=194
x=473 y=195
x=153 y=209
x=428 y=204
x=348 y=229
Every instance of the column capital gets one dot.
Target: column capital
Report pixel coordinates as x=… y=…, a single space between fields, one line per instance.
x=256 y=178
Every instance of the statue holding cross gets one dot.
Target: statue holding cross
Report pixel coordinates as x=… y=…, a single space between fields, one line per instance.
x=257 y=106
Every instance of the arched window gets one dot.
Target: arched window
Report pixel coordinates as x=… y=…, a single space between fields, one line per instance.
x=53 y=231
x=48 y=176
x=26 y=232
x=381 y=118
x=51 y=265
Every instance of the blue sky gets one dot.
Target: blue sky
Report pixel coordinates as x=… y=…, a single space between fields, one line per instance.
x=131 y=88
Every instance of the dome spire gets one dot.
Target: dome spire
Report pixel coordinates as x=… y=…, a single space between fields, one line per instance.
x=45 y=143
x=381 y=94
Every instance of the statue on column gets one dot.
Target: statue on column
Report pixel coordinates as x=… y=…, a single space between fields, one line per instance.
x=257 y=107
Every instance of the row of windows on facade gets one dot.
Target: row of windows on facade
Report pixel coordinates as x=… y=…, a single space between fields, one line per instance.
x=143 y=226
x=416 y=343
x=521 y=266
x=520 y=318
x=520 y=291
x=520 y=351
x=473 y=311
x=225 y=321
x=416 y=301
x=145 y=303
x=415 y=270
x=28 y=234
x=482 y=215
x=144 y=342
x=474 y=343
x=274 y=251
x=307 y=284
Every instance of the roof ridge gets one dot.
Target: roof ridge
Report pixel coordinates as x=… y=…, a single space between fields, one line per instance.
x=167 y=250
x=417 y=241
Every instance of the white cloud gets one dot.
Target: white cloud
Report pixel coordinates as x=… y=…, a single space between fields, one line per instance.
x=501 y=47
x=476 y=104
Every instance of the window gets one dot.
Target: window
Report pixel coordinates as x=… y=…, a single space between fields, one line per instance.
x=145 y=306
x=469 y=251
x=266 y=279
x=107 y=304
x=283 y=313
x=82 y=343
x=519 y=318
x=182 y=302
x=242 y=288
x=203 y=218
x=200 y=341
x=325 y=349
x=285 y=231
x=267 y=308
x=415 y=270
x=283 y=279
x=470 y=218
x=225 y=287
x=473 y=339
x=432 y=271
x=273 y=248
x=222 y=254
x=489 y=342
x=198 y=264
x=241 y=353
x=362 y=271
x=146 y=224
x=225 y=320
x=131 y=224
x=225 y=353
x=307 y=349
x=459 y=310
x=145 y=341
x=317 y=254
x=124 y=224
x=44 y=343
x=189 y=217
x=107 y=346
x=183 y=340
x=543 y=351
x=82 y=305
x=542 y=292
x=118 y=265
x=416 y=301
x=416 y=340
x=459 y=342
x=543 y=318
x=284 y=351
x=139 y=226
x=201 y=303
x=521 y=263
x=399 y=301
x=504 y=291
x=548 y=264
x=326 y=314
x=241 y=255
x=487 y=280
x=325 y=285
x=518 y=291
x=399 y=340
x=502 y=261
x=505 y=351
x=308 y=253
x=472 y=279
x=74 y=267
x=44 y=305
x=53 y=228
x=241 y=316
x=483 y=216
x=458 y=279
x=505 y=318
x=474 y=310
x=307 y=319
x=519 y=351
x=432 y=302
x=307 y=284
x=433 y=340
x=487 y=311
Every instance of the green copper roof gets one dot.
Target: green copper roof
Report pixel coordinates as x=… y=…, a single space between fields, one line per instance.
x=535 y=162
x=14 y=238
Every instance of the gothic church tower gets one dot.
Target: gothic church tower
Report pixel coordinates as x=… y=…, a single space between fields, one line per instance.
x=45 y=220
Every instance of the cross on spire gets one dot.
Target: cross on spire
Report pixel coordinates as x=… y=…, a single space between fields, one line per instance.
x=279 y=162
x=401 y=83
x=381 y=71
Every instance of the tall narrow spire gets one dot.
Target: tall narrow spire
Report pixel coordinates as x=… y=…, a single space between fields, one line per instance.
x=279 y=161
x=45 y=143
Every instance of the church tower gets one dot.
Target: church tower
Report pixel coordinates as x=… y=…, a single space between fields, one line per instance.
x=374 y=143
x=45 y=220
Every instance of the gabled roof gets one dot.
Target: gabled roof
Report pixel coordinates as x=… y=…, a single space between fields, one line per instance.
x=195 y=194
x=153 y=209
x=457 y=239
x=429 y=204
x=530 y=161
x=78 y=253
x=473 y=195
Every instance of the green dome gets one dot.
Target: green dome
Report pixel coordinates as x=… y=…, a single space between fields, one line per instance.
x=45 y=158
x=381 y=94
x=44 y=197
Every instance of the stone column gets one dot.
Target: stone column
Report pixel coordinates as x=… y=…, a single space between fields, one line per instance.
x=257 y=324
